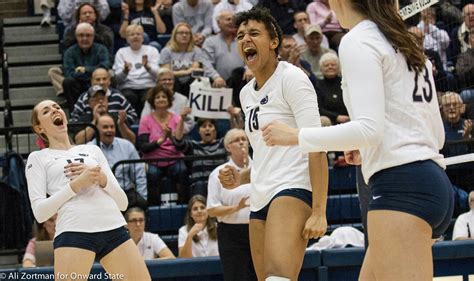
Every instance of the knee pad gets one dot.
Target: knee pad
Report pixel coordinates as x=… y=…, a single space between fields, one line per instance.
x=276 y=278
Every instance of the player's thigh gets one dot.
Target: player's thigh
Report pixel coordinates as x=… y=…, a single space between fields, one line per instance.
x=284 y=243
x=126 y=263
x=400 y=246
x=257 y=240
x=72 y=263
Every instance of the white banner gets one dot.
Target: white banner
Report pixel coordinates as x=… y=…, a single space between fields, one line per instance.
x=416 y=7
x=207 y=102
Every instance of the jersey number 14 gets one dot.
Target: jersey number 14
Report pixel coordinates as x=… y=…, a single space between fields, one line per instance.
x=426 y=86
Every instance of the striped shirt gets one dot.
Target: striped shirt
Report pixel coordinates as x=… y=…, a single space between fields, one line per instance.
x=201 y=169
x=116 y=100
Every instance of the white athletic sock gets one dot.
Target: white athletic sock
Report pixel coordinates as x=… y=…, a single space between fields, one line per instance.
x=276 y=278
x=46 y=11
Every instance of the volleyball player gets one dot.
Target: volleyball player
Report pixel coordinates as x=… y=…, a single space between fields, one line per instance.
x=76 y=183
x=395 y=133
x=288 y=187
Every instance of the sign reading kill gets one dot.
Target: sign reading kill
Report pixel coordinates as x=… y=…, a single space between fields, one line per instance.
x=207 y=102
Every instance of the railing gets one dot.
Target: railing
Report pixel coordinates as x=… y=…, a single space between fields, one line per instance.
x=22 y=139
x=8 y=120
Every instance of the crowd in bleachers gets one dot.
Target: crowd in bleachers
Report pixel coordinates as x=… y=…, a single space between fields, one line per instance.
x=128 y=66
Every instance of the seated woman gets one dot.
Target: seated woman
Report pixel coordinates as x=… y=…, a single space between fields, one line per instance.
x=136 y=67
x=43 y=232
x=149 y=244
x=154 y=138
x=142 y=12
x=181 y=56
x=331 y=104
x=208 y=145
x=198 y=237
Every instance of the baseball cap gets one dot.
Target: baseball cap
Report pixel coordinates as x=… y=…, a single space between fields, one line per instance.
x=312 y=28
x=94 y=90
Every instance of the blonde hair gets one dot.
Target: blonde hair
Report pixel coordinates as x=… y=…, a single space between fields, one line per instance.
x=132 y=28
x=173 y=45
x=35 y=122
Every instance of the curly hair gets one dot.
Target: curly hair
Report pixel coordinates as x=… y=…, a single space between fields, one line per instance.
x=264 y=16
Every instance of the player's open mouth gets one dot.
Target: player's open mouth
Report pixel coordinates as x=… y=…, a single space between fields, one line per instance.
x=250 y=54
x=58 y=120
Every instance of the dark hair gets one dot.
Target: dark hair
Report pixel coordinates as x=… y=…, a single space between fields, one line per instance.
x=34 y=122
x=210 y=222
x=261 y=15
x=133 y=210
x=153 y=92
x=202 y=121
x=132 y=7
x=78 y=13
x=388 y=20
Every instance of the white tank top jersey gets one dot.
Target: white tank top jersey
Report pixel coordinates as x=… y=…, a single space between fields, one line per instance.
x=93 y=209
x=395 y=118
x=287 y=96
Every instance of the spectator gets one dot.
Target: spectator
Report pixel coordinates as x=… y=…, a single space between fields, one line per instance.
x=300 y=22
x=135 y=67
x=232 y=211
x=196 y=13
x=166 y=78
x=460 y=42
x=155 y=141
x=465 y=71
x=208 y=145
x=291 y=52
x=87 y=110
x=149 y=244
x=464 y=226
x=131 y=177
x=67 y=8
x=436 y=39
x=181 y=56
x=455 y=127
x=198 y=236
x=330 y=100
x=229 y=5
x=43 y=232
x=321 y=14
x=220 y=51
x=142 y=12
x=282 y=11
x=46 y=6
x=80 y=60
x=166 y=14
x=102 y=34
x=313 y=38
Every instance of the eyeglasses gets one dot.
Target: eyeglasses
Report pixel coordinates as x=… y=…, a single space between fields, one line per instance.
x=86 y=35
x=136 y=221
x=183 y=32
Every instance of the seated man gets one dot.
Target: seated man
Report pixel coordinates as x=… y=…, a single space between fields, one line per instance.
x=314 y=52
x=98 y=100
x=220 y=51
x=464 y=226
x=131 y=177
x=67 y=8
x=80 y=60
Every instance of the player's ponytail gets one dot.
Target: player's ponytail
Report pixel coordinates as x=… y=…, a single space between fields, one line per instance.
x=385 y=14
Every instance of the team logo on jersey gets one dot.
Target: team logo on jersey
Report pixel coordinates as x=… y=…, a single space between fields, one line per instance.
x=29 y=166
x=264 y=100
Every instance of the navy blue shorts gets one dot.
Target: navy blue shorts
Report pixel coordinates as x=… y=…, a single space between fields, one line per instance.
x=302 y=194
x=101 y=243
x=420 y=188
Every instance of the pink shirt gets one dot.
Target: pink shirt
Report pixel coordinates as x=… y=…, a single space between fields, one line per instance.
x=149 y=125
x=318 y=13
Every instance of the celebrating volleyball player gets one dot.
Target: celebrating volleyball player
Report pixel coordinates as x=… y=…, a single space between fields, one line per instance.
x=76 y=183
x=288 y=187
x=395 y=133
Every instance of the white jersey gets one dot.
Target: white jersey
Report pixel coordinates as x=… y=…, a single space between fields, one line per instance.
x=205 y=247
x=150 y=245
x=218 y=196
x=93 y=209
x=287 y=96
x=395 y=118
